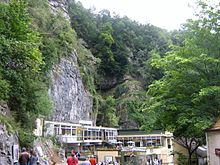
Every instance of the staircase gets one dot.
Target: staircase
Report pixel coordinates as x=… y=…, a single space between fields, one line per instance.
x=49 y=152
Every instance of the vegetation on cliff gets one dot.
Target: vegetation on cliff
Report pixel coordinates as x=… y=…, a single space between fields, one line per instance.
x=124 y=48
x=31 y=41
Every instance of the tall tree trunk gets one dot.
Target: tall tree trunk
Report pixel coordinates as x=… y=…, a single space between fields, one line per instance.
x=197 y=160
x=190 y=157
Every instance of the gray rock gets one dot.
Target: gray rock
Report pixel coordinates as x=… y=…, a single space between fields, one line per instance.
x=7 y=140
x=59 y=5
x=72 y=102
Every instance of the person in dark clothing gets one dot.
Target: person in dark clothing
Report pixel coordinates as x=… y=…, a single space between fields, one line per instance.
x=92 y=160
x=24 y=157
x=33 y=158
x=77 y=155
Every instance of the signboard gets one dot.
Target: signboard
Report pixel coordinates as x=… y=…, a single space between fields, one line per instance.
x=217 y=152
x=15 y=152
x=40 y=151
x=108 y=159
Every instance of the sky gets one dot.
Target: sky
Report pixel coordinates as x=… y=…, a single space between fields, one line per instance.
x=167 y=14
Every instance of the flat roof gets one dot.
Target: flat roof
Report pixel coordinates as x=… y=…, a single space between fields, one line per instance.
x=139 y=132
x=80 y=125
x=215 y=126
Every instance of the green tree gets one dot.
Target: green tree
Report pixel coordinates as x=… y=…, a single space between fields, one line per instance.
x=20 y=61
x=84 y=22
x=108 y=117
x=185 y=100
x=124 y=48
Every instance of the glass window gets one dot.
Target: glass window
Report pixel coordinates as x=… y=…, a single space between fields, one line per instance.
x=73 y=132
x=168 y=143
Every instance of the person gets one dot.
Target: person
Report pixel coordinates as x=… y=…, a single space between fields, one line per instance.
x=149 y=162
x=33 y=158
x=77 y=155
x=24 y=157
x=115 y=162
x=86 y=162
x=92 y=160
x=110 y=163
x=156 y=161
x=72 y=159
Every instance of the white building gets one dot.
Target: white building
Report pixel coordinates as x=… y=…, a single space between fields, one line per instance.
x=79 y=133
x=156 y=144
x=213 y=144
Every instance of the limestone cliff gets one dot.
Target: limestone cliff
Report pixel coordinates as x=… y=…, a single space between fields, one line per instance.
x=71 y=100
x=61 y=5
x=8 y=141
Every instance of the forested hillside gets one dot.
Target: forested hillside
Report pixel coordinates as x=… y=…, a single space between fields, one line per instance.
x=32 y=39
x=124 y=48
x=117 y=73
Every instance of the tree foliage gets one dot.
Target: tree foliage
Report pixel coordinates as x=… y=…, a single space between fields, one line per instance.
x=32 y=39
x=186 y=99
x=124 y=48
x=116 y=41
x=21 y=58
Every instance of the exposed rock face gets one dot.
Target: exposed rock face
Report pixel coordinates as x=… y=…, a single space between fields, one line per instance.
x=61 y=5
x=71 y=100
x=4 y=110
x=7 y=141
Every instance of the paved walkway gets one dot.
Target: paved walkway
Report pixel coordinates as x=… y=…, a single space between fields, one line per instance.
x=66 y=163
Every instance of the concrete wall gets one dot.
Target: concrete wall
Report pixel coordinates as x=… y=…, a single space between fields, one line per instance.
x=102 y=155
x=213 y=142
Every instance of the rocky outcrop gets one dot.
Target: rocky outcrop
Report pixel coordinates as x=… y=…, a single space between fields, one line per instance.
x=71 y=100
x=60 y=5
x=8 y=142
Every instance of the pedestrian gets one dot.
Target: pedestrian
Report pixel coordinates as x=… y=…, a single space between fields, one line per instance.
x=77 y=155
x=33 y=158
x=86 y=162
x=156 y=161
x=72 y=159
x=92 y=160
x=24 y=157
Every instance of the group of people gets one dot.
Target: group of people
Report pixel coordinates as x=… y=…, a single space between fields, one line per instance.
x=26 y=158
x=73 y=159
x=156 y=161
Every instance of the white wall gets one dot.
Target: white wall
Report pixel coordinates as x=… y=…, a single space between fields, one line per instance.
x=213 y=142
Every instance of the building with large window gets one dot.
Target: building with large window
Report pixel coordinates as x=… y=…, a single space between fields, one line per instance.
x=126 y=143
x=82 y=133
x=147 y=146
x=213 y=144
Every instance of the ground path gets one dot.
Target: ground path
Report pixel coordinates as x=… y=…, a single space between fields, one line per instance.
x=66 y=163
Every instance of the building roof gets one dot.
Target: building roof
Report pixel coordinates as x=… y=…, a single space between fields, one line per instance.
x=139 y=132
x=216 y=126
